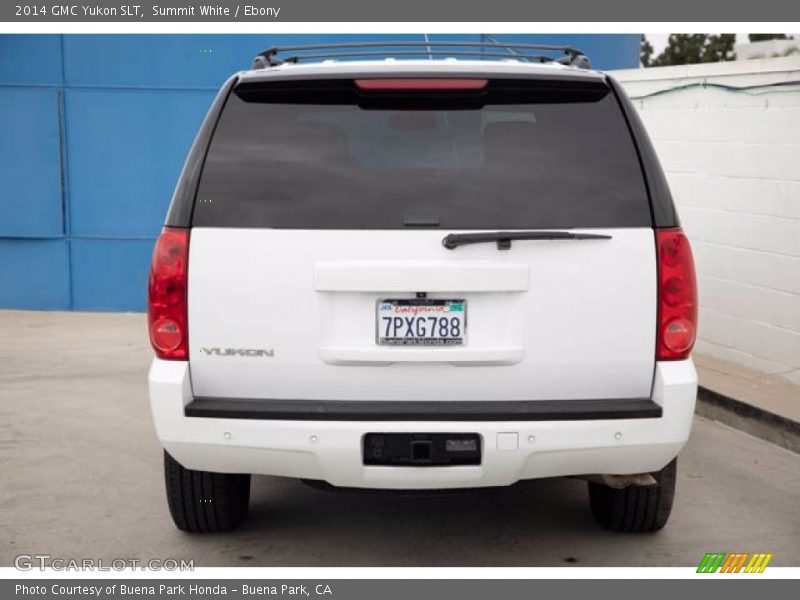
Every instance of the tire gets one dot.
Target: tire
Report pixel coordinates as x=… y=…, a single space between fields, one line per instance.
x=204 y=502
x=635 y=509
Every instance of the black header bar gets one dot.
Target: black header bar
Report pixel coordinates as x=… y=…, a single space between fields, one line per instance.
x=449 y=11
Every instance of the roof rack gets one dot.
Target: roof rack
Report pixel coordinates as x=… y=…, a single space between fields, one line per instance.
x=571 y=56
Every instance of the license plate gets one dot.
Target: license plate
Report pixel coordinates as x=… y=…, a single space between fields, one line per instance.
x=421 y=322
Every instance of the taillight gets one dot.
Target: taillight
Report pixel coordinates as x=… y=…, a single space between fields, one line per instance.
x=677 y=295
x=166 y=301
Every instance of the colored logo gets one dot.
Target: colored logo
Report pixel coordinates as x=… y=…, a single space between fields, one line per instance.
x=738 y=562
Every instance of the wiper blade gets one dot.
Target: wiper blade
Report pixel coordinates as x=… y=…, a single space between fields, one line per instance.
x=503 y=238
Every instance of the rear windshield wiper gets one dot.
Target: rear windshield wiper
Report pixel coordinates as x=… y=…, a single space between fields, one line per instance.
x=503 y=238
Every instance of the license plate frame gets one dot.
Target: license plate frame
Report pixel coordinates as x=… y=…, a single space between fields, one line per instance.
x=430 y=308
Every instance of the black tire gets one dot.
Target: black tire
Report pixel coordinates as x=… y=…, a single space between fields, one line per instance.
x=204 y=502
x=635 y=509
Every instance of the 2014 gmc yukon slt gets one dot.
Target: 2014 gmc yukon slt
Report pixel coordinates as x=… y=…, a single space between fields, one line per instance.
x=422 y=274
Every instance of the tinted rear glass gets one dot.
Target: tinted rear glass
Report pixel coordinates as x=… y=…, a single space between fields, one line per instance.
x=519 y=154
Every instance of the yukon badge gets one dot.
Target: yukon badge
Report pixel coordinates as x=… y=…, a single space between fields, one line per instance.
x=237 y=352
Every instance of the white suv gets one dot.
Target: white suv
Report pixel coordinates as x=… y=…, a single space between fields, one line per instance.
x=422 y=274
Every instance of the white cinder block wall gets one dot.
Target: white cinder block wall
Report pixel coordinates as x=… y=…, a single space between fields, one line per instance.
x=733 y=163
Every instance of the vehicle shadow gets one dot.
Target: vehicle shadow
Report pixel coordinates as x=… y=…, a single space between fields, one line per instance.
x=493 y=526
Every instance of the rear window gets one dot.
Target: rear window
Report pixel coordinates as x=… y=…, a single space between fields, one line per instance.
x=518 y=154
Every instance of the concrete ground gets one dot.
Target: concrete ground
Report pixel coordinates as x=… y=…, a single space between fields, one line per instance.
x=770 y=392
x=80 y=477
x=766 y=405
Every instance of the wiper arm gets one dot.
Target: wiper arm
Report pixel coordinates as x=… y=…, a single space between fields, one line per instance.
x=503 y=238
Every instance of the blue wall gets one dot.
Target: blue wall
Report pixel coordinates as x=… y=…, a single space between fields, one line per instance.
x=94 y=130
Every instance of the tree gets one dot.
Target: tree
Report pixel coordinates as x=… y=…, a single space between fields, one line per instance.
x=646 y=52
x=763 y=37
x=690 y=48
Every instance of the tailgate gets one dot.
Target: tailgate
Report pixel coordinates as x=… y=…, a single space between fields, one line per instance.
x=322 y=208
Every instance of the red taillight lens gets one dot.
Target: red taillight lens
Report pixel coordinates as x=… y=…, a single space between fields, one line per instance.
x=419 y=84
x=677 y=296
x=166 y=302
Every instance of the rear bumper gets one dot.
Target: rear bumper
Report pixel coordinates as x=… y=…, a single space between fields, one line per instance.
x=329 y=448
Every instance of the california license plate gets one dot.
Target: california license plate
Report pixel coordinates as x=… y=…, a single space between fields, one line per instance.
x=421 y=322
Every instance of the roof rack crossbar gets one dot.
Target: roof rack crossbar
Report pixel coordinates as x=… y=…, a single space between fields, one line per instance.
x=270 y=58
x=446 y=53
